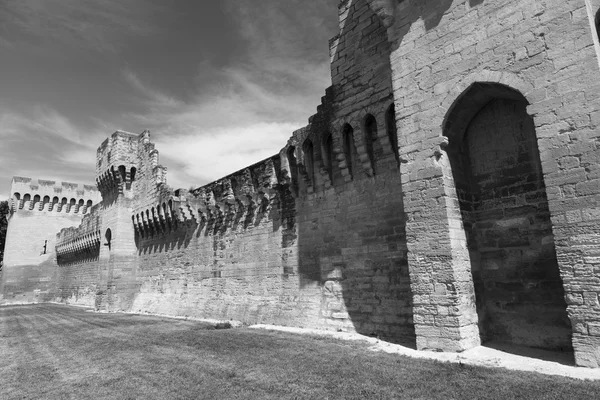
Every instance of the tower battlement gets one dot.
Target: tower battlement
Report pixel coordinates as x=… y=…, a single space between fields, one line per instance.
x=52 y=196
x=118 y=149
x=123 y=156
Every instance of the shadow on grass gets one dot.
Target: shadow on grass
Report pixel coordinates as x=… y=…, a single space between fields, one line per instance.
x=560 y=357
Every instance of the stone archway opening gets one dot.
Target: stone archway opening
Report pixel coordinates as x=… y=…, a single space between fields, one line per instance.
x=500 y=187
x=108 y=237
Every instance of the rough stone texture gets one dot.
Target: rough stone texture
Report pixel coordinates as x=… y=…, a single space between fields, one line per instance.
x=546 y=52
x=446 y=192
x=77 y=253
x=520 y=298
x=38 y=209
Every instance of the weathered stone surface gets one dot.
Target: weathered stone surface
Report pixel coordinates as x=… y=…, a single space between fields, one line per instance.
x=445 y=192
x=39 y=209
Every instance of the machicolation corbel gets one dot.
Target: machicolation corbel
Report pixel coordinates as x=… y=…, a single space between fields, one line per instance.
x=441 y=145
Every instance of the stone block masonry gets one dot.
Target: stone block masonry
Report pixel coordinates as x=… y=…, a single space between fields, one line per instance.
x=38 y=210
x=450 y=60
x=443 y=195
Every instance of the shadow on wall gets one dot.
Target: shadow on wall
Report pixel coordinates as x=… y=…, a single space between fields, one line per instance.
x=352 y=240
x=497 y=172
x=179 y=232
x=161 y=241
x=401 y=15
x=431 y=12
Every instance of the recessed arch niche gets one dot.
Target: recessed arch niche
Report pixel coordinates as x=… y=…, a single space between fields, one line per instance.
x=499 y=183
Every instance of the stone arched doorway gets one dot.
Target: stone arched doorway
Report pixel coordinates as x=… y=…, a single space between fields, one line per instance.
x=497 y=173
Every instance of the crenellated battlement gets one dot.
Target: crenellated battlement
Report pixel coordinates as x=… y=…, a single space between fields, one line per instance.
x=367 y=220
x=119 y=149
x=76 y=244
x=51 y=196
x=124 y=157
x=246 y=194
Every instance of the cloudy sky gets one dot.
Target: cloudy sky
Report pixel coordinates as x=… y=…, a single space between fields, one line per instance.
x=220 y=84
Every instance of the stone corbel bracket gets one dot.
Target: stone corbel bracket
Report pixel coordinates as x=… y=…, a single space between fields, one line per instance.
x=267 y=186
x=215 y=208
x=440 y=145
x=78 y=249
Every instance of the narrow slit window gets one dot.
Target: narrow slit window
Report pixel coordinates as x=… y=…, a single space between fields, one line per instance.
x=309 y=160
x=370 y=138
x=293 y=166
x=349 y=148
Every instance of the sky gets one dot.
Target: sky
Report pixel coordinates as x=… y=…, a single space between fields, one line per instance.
x=220 y=84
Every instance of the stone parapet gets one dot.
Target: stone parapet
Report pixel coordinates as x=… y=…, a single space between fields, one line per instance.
x=51 y=196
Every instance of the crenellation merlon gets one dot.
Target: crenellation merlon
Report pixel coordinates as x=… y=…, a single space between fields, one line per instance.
x=48 y=195
x=46 y=187
x=125 y=157
x=120 y=149
x=256 y=185
x=89 y=225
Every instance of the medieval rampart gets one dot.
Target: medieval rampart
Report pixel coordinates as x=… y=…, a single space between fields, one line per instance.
x=444 y=194
x=39 y=209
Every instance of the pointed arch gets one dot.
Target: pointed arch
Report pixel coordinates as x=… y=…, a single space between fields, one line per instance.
x=108 y=237
x=123 y=173
x=309 y=160
x=496 y=168
x=370 y=137
x=349 y=148
x=293 y=165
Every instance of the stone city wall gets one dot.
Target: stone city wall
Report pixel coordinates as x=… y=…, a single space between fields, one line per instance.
x=445 y=193
x=39 y=209
x=77 y=255
x=450 y=59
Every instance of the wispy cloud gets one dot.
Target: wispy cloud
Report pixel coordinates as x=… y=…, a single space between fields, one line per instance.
x=239 y=107
x=246 y=111
x=41 y=143
x=153 y=97
x=81 y=23
x=218 y=132
x=220 y=151
x=44 y=121
x=287 y=41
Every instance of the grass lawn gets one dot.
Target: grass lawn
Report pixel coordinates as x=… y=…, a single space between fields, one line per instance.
x=51 y=351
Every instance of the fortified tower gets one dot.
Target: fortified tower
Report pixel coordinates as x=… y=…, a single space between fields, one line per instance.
x=39 y=209
x=127 y=172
